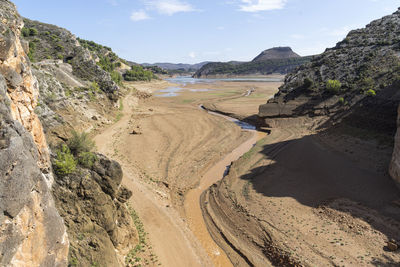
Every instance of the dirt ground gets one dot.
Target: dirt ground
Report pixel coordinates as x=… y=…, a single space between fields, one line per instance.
x=307 y=200
x=296 y=198
x=166 y=146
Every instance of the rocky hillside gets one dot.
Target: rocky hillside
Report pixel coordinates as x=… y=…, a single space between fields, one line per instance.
x=356 y=83
x=363 y=68
x=70 y=85
x=276 y=53
x=90 y=62
x=275 y=60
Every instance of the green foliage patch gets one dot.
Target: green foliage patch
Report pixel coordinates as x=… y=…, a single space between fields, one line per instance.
x=80 y=143
x=137 y=73
x=65 y=162
x=333 y=86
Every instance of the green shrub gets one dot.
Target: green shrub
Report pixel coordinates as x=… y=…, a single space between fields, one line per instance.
x=80 y=142
x=333 y=86
x=87 y=159
x=367 y=84
x=33 y=32
x=59 y=47
x=25 y=32
x=116 y=77
x=94 y=88
x=32 y=50
x=137 y=73
x=65 y=162
x=341 y=100
x=370 y=92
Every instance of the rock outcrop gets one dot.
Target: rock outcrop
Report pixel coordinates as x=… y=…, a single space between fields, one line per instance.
x=32 y=233
x=93 y=205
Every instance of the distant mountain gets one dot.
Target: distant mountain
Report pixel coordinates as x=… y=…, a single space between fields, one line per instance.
x=275 y=60
x=276 y=53
x=179 y=66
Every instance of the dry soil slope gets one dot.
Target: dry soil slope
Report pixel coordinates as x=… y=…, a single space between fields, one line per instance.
x=320 y=199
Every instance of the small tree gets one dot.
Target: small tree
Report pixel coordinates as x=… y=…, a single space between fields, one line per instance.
x=87 y=159
x=333 y=86
x=65 y=162
x=80 y=142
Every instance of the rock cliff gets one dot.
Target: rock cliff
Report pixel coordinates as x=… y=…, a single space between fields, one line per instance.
x=65 y=88
x=32 y=231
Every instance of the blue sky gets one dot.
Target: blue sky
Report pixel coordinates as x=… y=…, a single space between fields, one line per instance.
x=191 y=31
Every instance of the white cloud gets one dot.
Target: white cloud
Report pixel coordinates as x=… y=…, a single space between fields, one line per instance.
x=261 y=5
x=169 y=7
x=139 y=15
x=192 y=54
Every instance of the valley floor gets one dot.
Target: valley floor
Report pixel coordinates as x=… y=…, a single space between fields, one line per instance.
x=165 y=146
x=296 y=198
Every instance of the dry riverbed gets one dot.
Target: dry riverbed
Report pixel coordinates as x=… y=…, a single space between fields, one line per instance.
x=166 y=146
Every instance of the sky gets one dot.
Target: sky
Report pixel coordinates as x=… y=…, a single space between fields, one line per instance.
x=189 y=31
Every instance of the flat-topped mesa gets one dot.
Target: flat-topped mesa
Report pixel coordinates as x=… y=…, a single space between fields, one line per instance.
x=271 y=61
x=32 y=232
x=276 y=53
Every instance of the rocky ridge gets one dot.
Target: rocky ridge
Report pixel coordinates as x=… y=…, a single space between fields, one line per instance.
x=275 y=60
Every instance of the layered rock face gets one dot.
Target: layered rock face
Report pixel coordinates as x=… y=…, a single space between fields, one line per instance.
x=31 y=231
